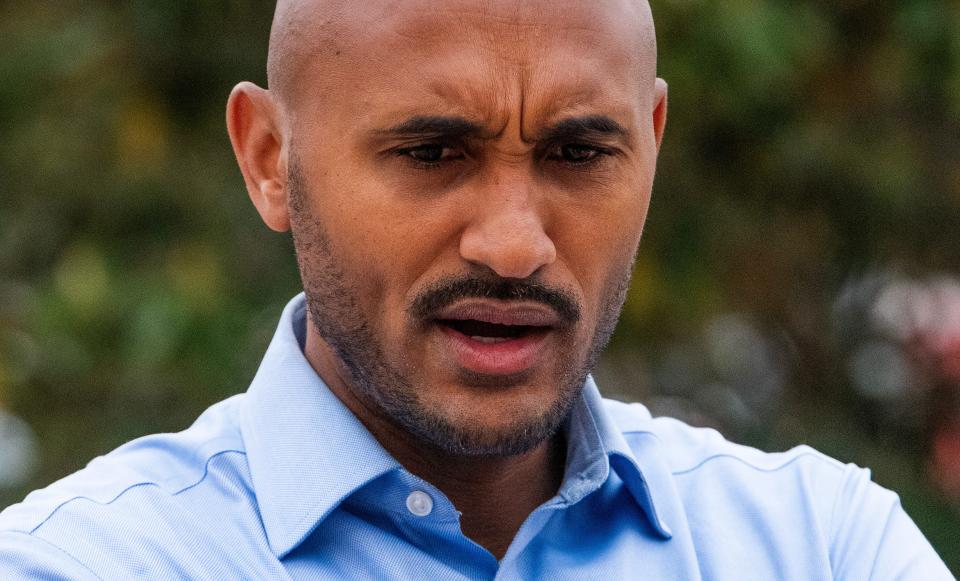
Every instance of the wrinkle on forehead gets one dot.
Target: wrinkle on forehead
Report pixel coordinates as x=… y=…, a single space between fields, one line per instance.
x=315 y=32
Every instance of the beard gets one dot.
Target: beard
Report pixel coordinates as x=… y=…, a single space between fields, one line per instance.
x=391 y=388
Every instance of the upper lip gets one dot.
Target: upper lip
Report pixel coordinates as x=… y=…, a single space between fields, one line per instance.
x=524 y=314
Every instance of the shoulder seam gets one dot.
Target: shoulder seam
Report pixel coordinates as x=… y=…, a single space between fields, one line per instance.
x=835 y=507
x=626 y=431
x=58 y=548
x=749 y=464
x=886 y=529
x=206 y=471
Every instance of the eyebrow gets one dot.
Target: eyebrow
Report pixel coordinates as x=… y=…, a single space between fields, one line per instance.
x=581 y=127
x=454 y=126
x=434 y=125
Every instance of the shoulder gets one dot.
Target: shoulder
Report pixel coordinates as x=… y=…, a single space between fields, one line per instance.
x=807 y=511
x=166 y=463
x=689 y=449
x=729 y=481
x=153 y=491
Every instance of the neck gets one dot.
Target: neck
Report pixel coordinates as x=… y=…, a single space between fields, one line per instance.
x=493 y=494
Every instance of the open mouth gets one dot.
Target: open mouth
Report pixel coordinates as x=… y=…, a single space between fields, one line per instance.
x=490 y=333
x=495 y=338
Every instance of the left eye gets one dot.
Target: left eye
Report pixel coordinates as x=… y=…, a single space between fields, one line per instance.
x=576 y=153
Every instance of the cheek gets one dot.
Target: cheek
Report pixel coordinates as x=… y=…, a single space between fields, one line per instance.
x=390 y=245
x=598 y=242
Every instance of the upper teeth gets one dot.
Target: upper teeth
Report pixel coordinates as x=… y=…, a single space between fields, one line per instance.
x=489 y=339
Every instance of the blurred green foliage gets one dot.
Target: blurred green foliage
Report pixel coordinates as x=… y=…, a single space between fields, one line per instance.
x=809 y=144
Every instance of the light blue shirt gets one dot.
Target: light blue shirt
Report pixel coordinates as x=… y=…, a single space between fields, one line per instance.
x=283 y=482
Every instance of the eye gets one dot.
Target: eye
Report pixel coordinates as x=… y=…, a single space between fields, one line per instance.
x=430 y=154
x=577 y=153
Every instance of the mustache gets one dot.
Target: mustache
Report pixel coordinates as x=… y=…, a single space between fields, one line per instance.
x=448 y=291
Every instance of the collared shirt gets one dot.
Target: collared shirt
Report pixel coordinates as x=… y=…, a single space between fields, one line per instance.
x=283 y=482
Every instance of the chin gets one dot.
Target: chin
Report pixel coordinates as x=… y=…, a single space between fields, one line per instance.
x=505 y=421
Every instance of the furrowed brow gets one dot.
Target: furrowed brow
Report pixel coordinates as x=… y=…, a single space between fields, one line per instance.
x=433 y=125
x=583 y=127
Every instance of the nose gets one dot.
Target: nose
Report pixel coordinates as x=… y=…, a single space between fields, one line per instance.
x=507 y=233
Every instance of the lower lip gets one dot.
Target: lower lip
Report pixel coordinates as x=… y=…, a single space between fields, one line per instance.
x=503 y=358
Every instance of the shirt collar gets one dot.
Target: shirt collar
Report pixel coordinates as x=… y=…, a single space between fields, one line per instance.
x=307 y=452
x=596 y=446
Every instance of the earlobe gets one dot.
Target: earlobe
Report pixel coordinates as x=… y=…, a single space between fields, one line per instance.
x=659 y=110
x=255 y=128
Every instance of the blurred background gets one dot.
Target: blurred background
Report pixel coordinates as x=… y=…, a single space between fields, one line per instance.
x=799 y=279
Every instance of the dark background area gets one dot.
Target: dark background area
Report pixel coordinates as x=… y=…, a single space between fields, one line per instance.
x=798 y=282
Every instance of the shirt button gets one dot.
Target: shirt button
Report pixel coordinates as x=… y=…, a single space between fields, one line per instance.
x=419 y=503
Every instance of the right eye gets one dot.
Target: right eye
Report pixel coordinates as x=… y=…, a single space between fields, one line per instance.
x=430 y=154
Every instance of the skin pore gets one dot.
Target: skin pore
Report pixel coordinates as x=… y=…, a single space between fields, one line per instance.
x=439 y=166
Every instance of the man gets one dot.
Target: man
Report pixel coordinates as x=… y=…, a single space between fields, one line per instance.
x=466 y=186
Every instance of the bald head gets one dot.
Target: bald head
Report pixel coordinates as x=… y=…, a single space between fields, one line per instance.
x=317 y=33
x=302 y=29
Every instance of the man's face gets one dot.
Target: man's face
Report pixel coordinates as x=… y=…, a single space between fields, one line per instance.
x=468 y=185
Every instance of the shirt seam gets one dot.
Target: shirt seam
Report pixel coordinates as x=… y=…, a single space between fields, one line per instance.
x=749 y=464
x=835 y=509
x=58 y=548
x=811 y=453
x=206 y=472
x=880 y=542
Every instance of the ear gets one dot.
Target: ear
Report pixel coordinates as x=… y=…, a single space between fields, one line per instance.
x=254 y=125
x=659 y=110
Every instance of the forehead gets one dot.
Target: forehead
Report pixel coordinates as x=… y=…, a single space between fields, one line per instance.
x=499 y=21
x=480 y=59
